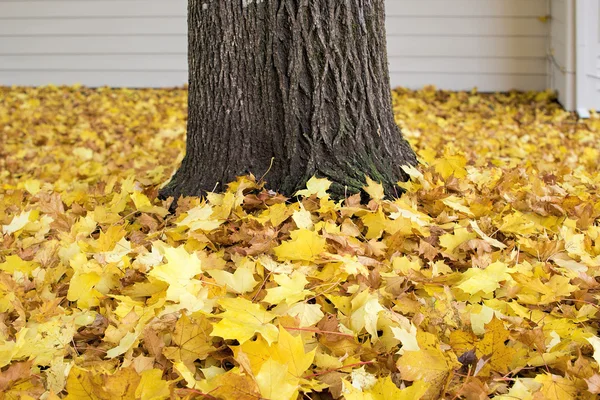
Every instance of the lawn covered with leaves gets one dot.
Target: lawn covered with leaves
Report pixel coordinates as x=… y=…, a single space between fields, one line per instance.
x=482 y=280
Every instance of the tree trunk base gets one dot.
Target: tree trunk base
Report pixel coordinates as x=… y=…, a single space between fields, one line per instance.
x=289 y=89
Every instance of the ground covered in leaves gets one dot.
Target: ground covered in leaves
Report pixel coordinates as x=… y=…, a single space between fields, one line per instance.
x=481 y=281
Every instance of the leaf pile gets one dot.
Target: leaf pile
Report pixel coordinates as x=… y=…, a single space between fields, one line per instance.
x=481 y=281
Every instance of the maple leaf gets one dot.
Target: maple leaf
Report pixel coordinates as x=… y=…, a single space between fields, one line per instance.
x=304 y=245
x=451 y=165
x=200 y=218
x=303 y=218
x=427 y=365
x=365 y=313
x=143 y=204
x=487 y=280
x=241 y=319
x=232 y=385
x=17 y=223
x=408 y=338
x=290 y=289
x=151 y=386
x=289 y=350
x=451 y=241
x=556 y=387
x=501 y=356
x=178 y=272
x=14 y=264
x=374 y=189
x=385 y=389
x=272 y=381
x=192 y=340
x=317 y=186
x=307 y=314
x=240 y=281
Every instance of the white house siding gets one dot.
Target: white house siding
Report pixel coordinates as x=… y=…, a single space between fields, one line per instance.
x=495 y=45
x=137 y=43
x=562 y=51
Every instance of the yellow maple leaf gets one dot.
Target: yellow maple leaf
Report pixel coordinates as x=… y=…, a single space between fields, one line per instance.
x=289 y=350
x=518 y=223
x=595 y=342
x=290 y=289
x=303 y=218
x=376 y=222
x=555 y=387
x=14 y=264
x=304 y=245
x=152 y=387
x=273 y=383
x=81 y=384
x=192 y=339
x=428 y=365
x=501 y=356
x=318 y=186
x=449 y=165
x=178 y=272
x=240 y=281
x=277 y=213
x=408 y=338
x=18 y=222
x=385 y=389
x=475 y=280
x=143 y=204
x=241 y=319
x=306 y=314
x=82 y=289
x=374 y=189
x=365 y=313
x=451 y=241
x=455 y=203
x=231 y=385
x=200 y=218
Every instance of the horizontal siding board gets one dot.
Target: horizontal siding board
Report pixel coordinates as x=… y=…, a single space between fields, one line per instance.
x=87 y=62
x=96 y=9
x=488 y=26
x=478 y=65
x=484 y=83
x=94 y=26
x=94 y=78
x=459 y=46
x=124 y=44
x=470 y=8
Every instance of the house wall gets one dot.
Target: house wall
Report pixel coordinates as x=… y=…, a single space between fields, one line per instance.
x=562 y=51
x=495 y=45
x=134 y=43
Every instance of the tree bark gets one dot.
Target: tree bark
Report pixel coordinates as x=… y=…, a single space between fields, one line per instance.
x=290 y=89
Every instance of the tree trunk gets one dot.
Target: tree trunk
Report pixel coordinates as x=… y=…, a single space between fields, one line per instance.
x=290 y=89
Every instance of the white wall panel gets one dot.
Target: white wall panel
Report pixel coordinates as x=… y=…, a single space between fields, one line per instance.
x=453 y=44
x=494 y=45
x=136 y=43
x=562 y=51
